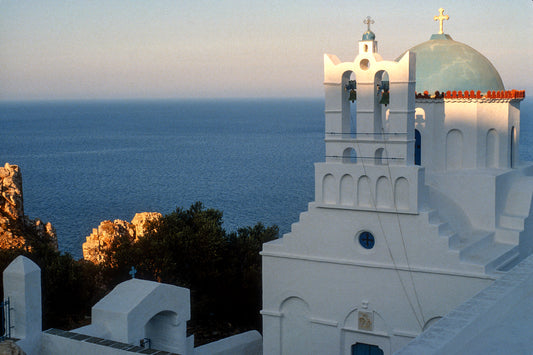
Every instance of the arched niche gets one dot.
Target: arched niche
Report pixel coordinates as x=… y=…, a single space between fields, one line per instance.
x=347 y=190
x=492 y=149
x=350 y=321
x=512 y=148
x=454 y=150
x=163 y=331
x=329 y=190
x=295 y=327
x=380 y=156
x=401 y=193
x=383 y=192
x=349 y=156
x=349 y=102
x=364 y=195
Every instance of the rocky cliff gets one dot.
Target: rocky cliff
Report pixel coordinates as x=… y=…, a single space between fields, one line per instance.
x=15 y=227
x=102 y=238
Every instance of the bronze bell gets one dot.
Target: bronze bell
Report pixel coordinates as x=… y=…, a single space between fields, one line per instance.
x=353 y=96
x=384 y=98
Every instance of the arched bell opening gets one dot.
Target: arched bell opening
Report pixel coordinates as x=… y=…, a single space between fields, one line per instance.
x=381 y=99
x=349 y=104
x=420 y=118
x=418 y=147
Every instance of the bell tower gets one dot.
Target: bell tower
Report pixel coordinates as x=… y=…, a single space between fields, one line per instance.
x=379 y=154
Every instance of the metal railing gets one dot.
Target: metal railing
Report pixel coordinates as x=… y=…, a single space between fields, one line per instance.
x=5 y=320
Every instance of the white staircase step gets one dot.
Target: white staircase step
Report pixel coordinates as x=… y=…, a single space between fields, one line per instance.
x=507 y=235
x=479 y=248
x=477 y=240
x=433 y=217
x=445 y=230
x=295 y=227
x=464 y=240
x=273 y=245
x=511 y=222
x=490 y=255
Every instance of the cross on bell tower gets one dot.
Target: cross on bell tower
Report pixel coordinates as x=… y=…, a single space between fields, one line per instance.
x=441 y=18
x=368 y=21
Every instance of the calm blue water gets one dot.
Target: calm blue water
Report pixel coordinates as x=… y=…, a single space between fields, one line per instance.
x=85 y=162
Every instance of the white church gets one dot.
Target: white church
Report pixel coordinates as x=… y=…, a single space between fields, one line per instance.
x=421 y=203
x=419 y=240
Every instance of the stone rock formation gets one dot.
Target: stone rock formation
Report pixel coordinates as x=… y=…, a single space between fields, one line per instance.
x=11 y=191
x=140 y=220
x=102 y=238
x=13 y=223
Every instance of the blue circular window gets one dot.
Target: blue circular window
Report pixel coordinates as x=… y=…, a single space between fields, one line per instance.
x=367 y=240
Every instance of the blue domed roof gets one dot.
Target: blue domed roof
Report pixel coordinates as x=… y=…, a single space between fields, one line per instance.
x=369 y=36
x=443 y=64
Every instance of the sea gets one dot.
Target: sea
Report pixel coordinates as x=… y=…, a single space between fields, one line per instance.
x=84 y=162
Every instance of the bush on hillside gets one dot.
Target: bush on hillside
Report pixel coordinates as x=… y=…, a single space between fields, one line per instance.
x=69 y=287
x=187 y=248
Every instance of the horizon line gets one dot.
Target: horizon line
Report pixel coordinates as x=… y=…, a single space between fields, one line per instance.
x=124 y=99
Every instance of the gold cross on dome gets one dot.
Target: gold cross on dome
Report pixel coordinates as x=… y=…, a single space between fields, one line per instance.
x=441 y=18
x=368 y=21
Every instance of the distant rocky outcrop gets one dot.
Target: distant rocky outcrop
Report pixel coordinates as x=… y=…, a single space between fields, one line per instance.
x=15 y=227
x=102 y=238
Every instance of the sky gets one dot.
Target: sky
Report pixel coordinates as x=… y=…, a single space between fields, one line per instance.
x=159 y=49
